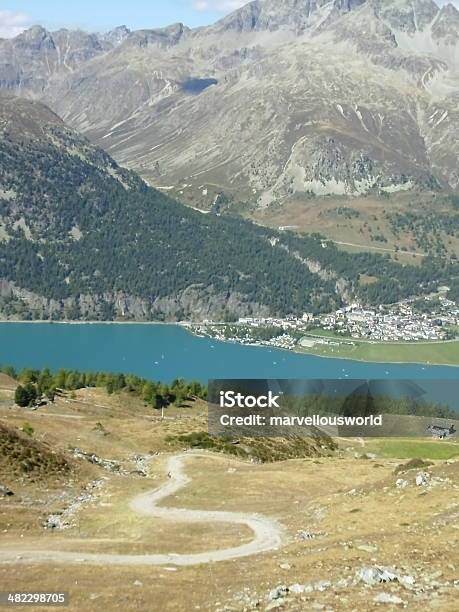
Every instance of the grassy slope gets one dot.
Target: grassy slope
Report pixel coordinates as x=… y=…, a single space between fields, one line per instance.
x=344 y=500
x=369 y=219
x=444 y=353
x=411 y=449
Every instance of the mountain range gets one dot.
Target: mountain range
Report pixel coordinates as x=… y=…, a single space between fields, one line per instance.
x=279 y=98
x=83 y=238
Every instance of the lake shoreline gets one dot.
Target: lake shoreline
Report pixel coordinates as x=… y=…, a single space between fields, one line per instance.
x=187 y=326
x=305 y=352
x=45 y=322
x=381 y=363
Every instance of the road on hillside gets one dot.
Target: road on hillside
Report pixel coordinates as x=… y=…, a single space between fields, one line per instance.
x=268 y=534
x=376 y=248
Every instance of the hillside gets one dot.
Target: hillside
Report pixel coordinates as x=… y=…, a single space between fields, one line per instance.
x=355 y=525
x=279 y=98
x=82 y=238
x=21 y=455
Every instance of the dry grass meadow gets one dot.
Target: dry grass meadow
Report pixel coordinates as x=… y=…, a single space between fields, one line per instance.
x=346 y=501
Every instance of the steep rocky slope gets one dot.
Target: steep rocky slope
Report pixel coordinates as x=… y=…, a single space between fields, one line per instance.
x=82 y=238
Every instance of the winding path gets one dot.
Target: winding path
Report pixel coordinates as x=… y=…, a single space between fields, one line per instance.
x=268 y=534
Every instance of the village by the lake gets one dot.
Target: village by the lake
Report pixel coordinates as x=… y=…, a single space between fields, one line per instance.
x=434 y=319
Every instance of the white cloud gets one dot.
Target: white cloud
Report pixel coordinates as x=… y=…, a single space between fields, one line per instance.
x=224 y=6
x=12 y=24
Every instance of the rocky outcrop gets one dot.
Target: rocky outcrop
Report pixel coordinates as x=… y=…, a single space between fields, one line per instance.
x=196 y=303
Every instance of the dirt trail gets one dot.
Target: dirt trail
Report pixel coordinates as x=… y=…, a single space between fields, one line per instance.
x=268 y=534
x=376 y=248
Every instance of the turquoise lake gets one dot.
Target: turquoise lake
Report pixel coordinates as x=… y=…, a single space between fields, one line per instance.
x=165 y=352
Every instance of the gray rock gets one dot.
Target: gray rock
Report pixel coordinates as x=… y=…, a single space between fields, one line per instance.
x=407 y=581
x=55 y=521
x=376 y=575
x=422 y=479
x=322 y=585
x=278 y=592
x=367 y=548
x=369 y=456
x=5 y=492
x=387 y=598
x=107 y=464
x=65 y=519
x=296 y=588
x=306 y=535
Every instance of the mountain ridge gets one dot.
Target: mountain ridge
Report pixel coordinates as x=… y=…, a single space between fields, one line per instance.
x=291 y=97
x=82 y=238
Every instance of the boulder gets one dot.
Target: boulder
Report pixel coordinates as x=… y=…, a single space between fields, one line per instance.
x=376 y=575
x=422 y=479
x=5 y=492
x=278 y=593
x=387 y=598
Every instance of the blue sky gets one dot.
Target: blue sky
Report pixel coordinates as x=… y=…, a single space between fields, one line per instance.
x=101 y=15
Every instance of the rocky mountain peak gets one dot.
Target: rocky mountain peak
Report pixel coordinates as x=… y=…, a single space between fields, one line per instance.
x=449 y=12
x=365 y=28
x=446 y=25
x=299 y=15
x=244 y=19
x=271 y=15
x=162 y=37
x=407 y=15
x=352 y=96
x=117 y=35
x=35 y=38
x=450 y=9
